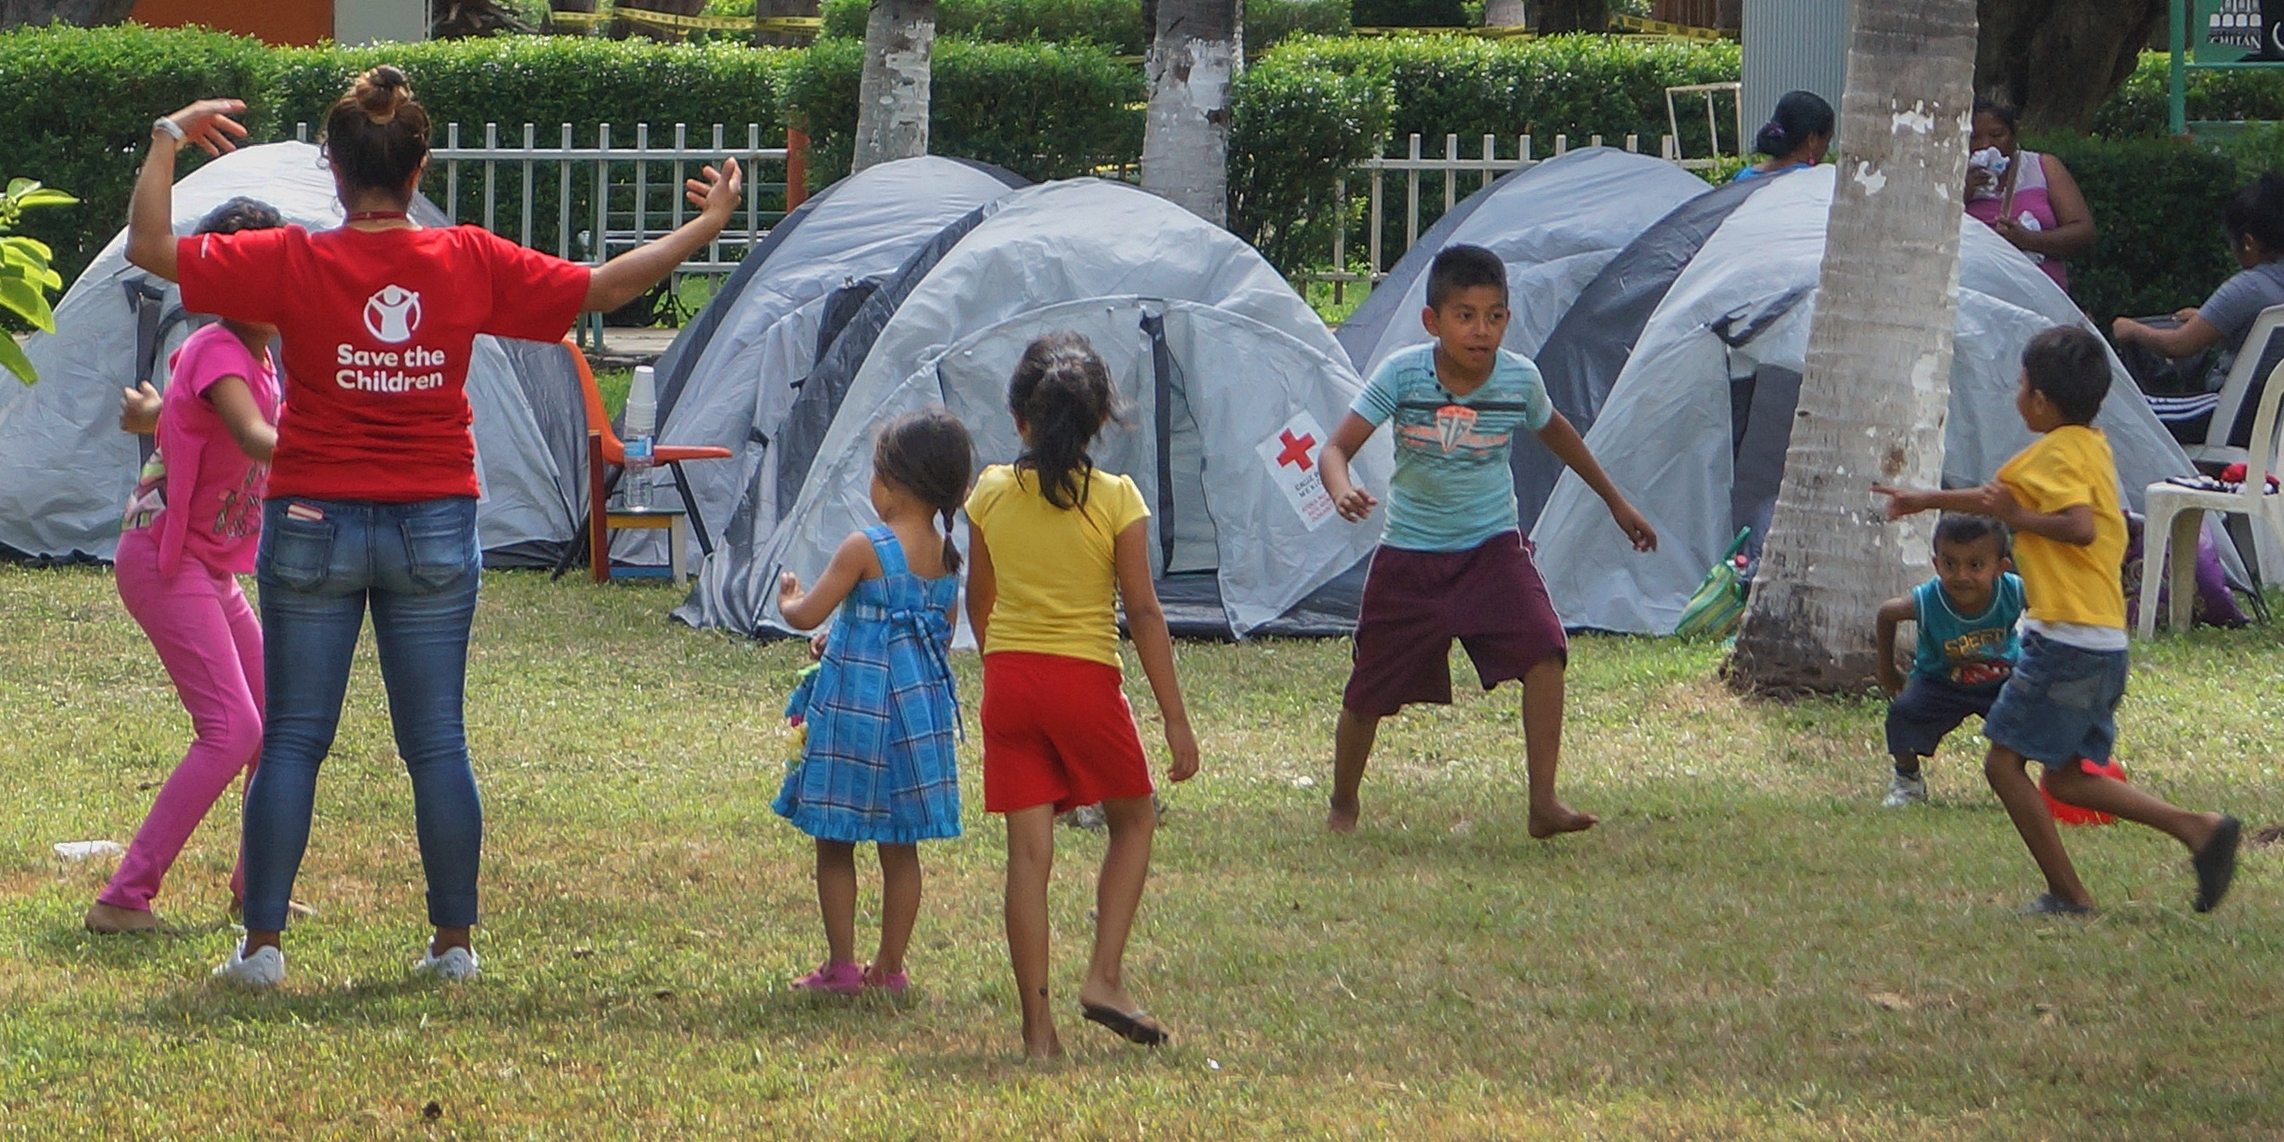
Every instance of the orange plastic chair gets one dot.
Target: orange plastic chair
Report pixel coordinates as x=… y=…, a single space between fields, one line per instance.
x=670 y=456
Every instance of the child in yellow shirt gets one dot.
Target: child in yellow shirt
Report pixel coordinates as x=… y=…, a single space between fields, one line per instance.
x=2059 y=706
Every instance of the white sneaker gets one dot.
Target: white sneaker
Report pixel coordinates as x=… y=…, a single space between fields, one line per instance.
x=264 y=969
x=456 y=965
x=1905 y=790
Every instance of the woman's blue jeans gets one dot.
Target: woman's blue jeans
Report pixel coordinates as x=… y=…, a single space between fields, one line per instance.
x=323 y=562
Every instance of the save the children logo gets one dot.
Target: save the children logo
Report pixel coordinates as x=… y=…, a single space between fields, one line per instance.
x=392 y=314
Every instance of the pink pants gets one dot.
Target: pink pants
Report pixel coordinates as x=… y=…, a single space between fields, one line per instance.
x=211 y=645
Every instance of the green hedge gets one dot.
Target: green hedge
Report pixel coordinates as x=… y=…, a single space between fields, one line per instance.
x=2138 y=107
x=1042 y=110
x=76 y=107
x=1471 y=87
x=1114 y=24
x=1294 y=131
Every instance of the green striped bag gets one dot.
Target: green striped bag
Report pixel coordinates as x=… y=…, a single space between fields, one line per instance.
x=1720 y=600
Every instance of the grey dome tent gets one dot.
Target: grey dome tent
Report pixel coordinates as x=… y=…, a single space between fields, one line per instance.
x=1229 y=382
x=732 y=373
x=1711 y=332
x=1554 y=224
x=66 y=469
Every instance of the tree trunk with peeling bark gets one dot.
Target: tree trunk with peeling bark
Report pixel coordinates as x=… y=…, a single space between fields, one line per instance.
x=892 y=94
x=82 y=13
x=1878 y=382
x=1196 y=49
x=2059 y=60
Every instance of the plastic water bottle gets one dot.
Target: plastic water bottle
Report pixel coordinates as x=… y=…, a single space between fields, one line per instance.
x=642 y=423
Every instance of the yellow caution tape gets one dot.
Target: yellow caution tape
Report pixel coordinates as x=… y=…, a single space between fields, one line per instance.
x=1678 y=31
x=794 y=24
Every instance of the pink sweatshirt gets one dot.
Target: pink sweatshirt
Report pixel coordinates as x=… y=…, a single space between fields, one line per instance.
x=200 y=494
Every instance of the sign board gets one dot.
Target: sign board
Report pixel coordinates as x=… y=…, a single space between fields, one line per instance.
x=2237 y=31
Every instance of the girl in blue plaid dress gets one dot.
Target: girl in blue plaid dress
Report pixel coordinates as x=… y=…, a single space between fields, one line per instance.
x=878 y=764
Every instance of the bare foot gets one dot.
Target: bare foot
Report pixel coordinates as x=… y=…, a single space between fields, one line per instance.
x=1042 y=1049
x=1342 y=818
x=110 y=919
x=1560 y=819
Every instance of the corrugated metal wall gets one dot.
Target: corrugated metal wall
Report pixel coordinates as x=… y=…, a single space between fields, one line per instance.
x=1789 y=45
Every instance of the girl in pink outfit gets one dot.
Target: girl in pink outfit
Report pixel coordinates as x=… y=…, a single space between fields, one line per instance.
x=190 y=531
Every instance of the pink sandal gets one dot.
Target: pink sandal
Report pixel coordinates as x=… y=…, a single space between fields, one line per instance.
x=891 y=982
x=844 y=978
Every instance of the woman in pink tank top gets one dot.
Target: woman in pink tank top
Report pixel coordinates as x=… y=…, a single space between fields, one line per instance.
x=2032 y=202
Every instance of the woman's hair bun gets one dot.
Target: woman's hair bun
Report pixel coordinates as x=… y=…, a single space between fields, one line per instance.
x=380 y=91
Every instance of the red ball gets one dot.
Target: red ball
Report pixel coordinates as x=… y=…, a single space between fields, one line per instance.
x=2073 y=815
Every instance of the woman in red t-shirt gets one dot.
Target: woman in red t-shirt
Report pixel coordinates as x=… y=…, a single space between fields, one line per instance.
x=372 y=492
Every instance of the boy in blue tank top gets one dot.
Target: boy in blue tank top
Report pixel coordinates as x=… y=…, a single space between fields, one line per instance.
x=1966 y=617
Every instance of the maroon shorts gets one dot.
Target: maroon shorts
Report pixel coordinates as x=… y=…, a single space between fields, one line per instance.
x=1057 y=730
x=1490 y=598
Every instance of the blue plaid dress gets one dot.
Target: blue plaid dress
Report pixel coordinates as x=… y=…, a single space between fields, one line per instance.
x=881 y=714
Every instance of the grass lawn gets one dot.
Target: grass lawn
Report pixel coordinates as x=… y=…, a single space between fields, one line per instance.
x=1748 y=947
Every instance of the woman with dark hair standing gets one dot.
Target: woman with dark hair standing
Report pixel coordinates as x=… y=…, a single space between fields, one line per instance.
x=372 y=492
x=1794 y=138
x=2029 y=198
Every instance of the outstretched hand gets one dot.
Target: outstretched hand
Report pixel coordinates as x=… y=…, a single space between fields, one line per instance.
x=1901 y=502
x=207 y=124
x=788 y=588
x=720 y=189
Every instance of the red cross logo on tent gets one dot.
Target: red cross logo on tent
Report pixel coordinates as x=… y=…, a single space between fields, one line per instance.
x=1296 y=450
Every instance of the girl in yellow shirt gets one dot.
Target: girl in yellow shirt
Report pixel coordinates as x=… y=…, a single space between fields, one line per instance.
x=1054 y=545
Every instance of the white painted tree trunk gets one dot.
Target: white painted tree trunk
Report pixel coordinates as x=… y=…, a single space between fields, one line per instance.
x=892 y=94
x=1195 y=53
x=1878 y=381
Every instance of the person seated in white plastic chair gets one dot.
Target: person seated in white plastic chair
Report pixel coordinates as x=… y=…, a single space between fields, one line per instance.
x=2254 y=218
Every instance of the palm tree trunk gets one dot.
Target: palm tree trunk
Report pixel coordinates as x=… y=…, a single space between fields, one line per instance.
x=1878 y=379
x=1196 y=49
x=892 y=95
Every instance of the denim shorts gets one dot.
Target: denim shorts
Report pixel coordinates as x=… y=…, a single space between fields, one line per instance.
x=2060 y=704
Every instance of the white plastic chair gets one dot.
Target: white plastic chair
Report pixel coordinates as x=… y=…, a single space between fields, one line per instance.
x=2176 y=514
x=2235 y=390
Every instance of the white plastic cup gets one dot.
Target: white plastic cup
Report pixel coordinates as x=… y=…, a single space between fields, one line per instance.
x=642 y=403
